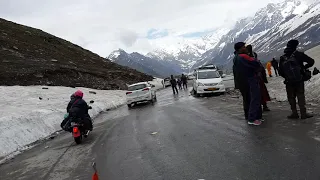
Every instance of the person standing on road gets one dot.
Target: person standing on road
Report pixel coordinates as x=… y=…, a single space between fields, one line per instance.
x=275 y=66
x=294 y=71
x=184 y=81
x=246 y=79
x=173 y=83
x=315 y=71
x=265 y=97
x=268 y=66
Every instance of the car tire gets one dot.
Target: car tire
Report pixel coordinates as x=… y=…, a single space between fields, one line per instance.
x=129 y=106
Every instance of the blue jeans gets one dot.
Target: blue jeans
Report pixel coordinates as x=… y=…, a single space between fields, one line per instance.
x=255 y=110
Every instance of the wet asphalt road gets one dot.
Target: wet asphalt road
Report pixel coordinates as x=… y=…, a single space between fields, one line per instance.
x=196 y=138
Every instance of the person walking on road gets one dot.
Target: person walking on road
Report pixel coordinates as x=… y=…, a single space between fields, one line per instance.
x=268 y=66
x=294 y=71
x=173 y=83
x=184 y=80
x=179 y=83
x=265 y=97
x=245 y=70
x=275 y=66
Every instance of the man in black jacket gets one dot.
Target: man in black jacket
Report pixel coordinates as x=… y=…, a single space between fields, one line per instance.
x=295 y=89
x=184 y=80
x=275 y=66
x=173 y=83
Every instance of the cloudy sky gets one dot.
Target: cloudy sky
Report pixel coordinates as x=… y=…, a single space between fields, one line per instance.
x=133 y=25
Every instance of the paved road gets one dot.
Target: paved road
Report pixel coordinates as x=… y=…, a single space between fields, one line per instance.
x=204 y=138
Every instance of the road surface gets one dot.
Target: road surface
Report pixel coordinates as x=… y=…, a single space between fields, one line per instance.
x=179 y=138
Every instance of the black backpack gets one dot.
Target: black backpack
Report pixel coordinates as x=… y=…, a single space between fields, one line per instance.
x=292 y=69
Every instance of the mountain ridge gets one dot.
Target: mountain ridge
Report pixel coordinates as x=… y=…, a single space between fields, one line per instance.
x=267 y=30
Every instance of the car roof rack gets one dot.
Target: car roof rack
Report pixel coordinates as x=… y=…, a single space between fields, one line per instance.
x=209 y=66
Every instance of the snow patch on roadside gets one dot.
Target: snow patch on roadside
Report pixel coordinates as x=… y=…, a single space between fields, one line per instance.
x=32 y=113
x=157 y=82
x=277 y=89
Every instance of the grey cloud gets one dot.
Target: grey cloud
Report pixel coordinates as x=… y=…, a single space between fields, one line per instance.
x=127 y=37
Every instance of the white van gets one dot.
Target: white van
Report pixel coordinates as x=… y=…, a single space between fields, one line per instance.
x=208 y=81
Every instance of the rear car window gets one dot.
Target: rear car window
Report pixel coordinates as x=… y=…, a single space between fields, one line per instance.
x=137 y=87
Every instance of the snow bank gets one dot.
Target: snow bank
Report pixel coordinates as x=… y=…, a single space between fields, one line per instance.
x=157 y=82
x=28 y=114
x=277 y=89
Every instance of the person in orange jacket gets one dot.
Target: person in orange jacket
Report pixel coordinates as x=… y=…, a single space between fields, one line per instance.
x=269 y=69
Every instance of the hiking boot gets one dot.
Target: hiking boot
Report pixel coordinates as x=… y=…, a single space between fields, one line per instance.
x=293 y=116
x=306 y=116
x=255 y=123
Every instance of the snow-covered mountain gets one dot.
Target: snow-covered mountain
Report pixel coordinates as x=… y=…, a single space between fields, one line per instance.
x=268 y=31
x=189 y=50
x=147 y=65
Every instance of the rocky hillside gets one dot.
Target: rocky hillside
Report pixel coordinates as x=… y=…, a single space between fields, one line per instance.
x=30 y=56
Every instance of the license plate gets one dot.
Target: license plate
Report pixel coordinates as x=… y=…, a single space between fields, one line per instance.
x=212 y=89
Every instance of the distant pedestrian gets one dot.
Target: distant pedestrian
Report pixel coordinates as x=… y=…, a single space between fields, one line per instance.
x=275 y=66
x=184 y=80
x=315 y=71
x=173 y=83
x=245 y=70
x=268 y=66
x=265 y=97
x=294 y=71
x=179 y=83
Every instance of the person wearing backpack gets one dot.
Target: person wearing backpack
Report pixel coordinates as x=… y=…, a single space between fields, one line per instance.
x=292 y=68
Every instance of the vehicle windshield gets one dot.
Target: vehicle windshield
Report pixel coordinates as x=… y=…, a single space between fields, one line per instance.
x=208 y=75
x=137 y=87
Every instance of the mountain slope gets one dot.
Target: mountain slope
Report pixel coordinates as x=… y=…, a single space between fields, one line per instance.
x=188 y=50
x=268 y=31
x=144 y=64
x=30 y=56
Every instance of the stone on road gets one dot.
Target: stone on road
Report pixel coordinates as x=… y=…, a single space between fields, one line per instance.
x=179 y=137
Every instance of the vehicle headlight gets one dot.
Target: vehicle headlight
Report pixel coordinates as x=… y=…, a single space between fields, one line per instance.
x=200 y=84
x=221 y=83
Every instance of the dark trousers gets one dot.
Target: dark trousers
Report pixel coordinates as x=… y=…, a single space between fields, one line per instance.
x=185 y=85
x=276 y=70
x=174 y=89
x=180 y=86
x=255 y=110
x=296 y=91
x=87 y=122
x=246 y=101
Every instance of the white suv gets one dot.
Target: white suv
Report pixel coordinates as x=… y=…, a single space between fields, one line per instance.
x=208 y=81
x=140 y=92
